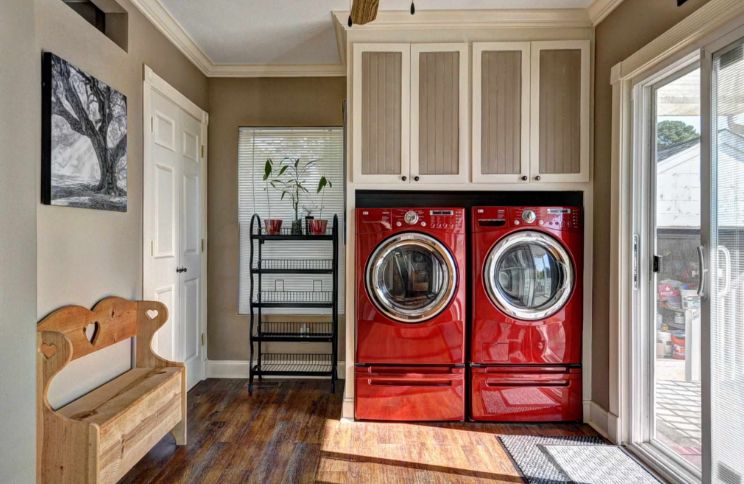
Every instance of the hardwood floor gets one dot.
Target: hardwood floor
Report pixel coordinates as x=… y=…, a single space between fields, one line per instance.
x=290 y=431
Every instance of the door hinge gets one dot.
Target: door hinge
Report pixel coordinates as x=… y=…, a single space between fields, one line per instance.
x=202 y=151
x=203 y=339
x=152 y=124
x=152 y=248
x=202 y=245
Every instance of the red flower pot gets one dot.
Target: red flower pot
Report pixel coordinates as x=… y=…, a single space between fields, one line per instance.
x=272 y=226
x=318 y=226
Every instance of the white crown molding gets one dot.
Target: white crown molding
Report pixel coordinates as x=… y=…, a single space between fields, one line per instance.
x=159 y=16
x=277 y=70
x=599 y=9
x=470 y=19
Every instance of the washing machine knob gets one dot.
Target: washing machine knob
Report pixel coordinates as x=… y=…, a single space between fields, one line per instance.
x=411 y=217
x=529 y=216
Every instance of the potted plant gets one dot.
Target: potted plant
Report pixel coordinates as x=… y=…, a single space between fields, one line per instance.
x=272 y=225
x=292 y=185
x=319 y=225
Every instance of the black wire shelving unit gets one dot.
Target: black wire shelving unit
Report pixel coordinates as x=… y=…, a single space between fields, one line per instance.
x=292 y=364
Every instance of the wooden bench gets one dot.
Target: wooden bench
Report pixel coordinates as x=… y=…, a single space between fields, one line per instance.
x=101 y=435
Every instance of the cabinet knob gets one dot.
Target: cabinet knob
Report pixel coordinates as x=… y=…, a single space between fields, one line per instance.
x=416 y=178
x=537 y=178
x=524 y=177
x=404 y=178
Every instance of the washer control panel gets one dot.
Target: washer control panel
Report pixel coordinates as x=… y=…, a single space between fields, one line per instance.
x=556 y=218
x=450 y=219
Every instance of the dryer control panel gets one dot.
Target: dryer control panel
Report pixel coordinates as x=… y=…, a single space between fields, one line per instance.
x=450 y=219
x=555 y=218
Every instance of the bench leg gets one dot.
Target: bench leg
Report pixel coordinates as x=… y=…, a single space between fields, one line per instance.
x=179 y=432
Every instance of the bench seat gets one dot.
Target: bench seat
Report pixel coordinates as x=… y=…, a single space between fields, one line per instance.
x=101 y=435
x=133 y=411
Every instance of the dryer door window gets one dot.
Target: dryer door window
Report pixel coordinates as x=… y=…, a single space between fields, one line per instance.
x=528 y=275
x=411 y=277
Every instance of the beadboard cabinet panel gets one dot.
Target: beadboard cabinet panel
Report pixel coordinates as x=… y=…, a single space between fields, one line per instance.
x=560 y=111
x=381 y=125
x=439 y=113
x=501 y=100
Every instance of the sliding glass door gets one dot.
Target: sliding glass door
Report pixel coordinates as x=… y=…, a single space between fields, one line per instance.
x=688 y=329
x=726 y=292
x=674 y=322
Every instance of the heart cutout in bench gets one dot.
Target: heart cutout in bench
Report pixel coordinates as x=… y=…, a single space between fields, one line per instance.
x=48 y=350
x=152 y=313
x=91 y=332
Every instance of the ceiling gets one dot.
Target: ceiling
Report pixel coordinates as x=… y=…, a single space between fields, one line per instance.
x=297 y=31
x=264 y=37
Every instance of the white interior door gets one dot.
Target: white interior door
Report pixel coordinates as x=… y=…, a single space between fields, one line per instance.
x=174 y=214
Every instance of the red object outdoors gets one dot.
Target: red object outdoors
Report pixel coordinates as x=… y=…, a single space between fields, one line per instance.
x=527 y=313
x=410 y=312
x=272 y=226
x=317 y=226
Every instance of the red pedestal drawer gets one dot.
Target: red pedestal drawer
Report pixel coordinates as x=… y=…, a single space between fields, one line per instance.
x=526 y=394
x=409 y=393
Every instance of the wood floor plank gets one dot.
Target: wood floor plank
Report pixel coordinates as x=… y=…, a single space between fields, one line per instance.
x=290 y=431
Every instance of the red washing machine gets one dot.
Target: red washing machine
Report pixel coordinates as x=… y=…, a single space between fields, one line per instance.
x=410 y=314
x=527 y=314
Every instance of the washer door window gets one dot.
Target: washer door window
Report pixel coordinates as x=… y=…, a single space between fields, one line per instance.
x=411 y=277
x=528 y=275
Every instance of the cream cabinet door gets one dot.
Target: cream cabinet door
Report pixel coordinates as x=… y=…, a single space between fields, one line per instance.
x=381 y=113
x=439 y=113
x=501 y=112
x=560 y=111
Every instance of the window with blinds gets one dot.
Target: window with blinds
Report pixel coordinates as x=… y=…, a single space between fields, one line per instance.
x=255 y=146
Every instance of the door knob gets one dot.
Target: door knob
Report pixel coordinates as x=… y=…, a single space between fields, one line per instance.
x=416 y=178
x=537 y=178
x=404 y=178
x=524 y=177
x=181 y=269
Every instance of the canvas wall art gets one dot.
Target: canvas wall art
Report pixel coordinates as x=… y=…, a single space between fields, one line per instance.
x=84 y=138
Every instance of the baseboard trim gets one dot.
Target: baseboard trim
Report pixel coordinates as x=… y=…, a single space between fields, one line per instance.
x=604 y=422
x=239 y=369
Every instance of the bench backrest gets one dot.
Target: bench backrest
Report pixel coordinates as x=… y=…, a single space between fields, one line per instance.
x=110 y=321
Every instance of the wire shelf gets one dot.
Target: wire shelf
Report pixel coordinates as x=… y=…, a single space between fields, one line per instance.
x=295 y=363
x=286 y=232
x=295 y=265
x=297 y=328
x=297 y=297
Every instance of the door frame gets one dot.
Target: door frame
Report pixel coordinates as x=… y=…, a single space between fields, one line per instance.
x=713 y=21
x=154 y=83
x=643 y=308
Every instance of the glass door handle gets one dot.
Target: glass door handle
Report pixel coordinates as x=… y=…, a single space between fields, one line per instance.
x=723 y=251
x=702 y=271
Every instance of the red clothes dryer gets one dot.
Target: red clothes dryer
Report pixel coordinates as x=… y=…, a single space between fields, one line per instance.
x=410 y=314
x=527 y=314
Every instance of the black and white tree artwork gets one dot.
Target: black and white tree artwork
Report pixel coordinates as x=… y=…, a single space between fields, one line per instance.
x=85 y=139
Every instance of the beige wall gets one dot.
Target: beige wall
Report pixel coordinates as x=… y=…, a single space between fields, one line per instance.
x=19 y=160
x=84 y=255
x=628 y=28
x=249 y=102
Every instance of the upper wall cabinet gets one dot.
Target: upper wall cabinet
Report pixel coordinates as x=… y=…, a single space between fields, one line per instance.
x=501 y=112
x=531 y=111
x=410 y=114
x=439 y=113
x=381 y=110
x=560 y=111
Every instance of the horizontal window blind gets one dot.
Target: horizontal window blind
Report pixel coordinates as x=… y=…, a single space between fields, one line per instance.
x=255 y=146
